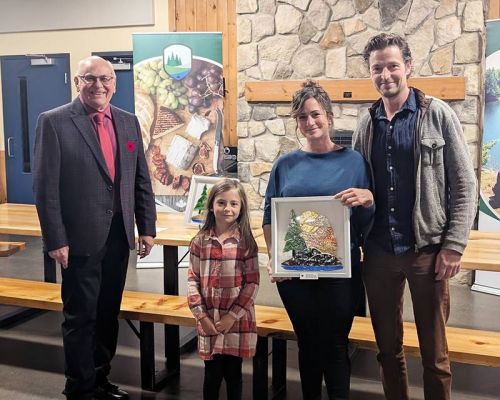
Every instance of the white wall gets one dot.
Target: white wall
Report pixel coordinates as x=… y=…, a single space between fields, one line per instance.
x=79 y=43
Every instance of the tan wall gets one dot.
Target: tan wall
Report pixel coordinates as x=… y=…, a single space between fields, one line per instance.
x=79 y=43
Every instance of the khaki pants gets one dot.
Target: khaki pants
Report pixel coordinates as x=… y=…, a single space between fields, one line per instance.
x=385 y=276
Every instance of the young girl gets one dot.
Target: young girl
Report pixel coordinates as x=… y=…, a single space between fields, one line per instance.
x=223 y=280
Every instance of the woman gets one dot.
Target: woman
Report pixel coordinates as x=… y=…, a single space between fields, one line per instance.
x=321 y=310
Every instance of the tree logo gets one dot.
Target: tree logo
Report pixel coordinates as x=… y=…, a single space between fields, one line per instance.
x=177 y=60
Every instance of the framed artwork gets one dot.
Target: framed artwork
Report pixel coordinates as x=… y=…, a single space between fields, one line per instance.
x=197 y=198
x=310 y=237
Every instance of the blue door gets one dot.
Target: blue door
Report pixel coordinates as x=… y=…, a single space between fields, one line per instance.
x=30 y=85
x=122 y=62
x=124 y=96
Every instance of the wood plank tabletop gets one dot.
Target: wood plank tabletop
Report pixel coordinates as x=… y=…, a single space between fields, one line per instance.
x=482 y=252
x=22 y=219
x=19 y=219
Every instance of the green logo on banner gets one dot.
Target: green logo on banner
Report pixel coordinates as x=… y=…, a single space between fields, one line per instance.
x=177 y=60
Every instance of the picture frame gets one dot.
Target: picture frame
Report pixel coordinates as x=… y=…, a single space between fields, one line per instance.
x=310 y=238
x=198 y=193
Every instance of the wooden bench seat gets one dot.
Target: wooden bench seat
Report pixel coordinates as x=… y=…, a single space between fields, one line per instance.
x=469 y=346
x=9 y=248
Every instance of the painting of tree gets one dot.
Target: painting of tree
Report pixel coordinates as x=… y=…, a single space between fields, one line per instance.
x=293 y=241
x=200 y=203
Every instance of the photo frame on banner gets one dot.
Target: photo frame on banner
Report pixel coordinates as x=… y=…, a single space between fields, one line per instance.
x=198 y=195
x=310 y=238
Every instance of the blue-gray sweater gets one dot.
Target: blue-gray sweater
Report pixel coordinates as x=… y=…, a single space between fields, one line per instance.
x=445 y=182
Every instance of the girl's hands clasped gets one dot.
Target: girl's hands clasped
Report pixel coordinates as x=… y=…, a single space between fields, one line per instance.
x=225 y=323
x=208 y=326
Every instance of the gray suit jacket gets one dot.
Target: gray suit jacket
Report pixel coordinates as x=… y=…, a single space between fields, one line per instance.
x=73 y=191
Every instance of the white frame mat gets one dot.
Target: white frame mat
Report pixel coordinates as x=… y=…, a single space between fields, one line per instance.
x=338 y=218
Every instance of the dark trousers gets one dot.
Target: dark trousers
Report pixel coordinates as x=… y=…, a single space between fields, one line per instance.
x=227 y=367
x=385 y=275
x=92 y=289
x=322 y=312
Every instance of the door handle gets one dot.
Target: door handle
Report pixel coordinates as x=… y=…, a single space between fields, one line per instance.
x=9 y=147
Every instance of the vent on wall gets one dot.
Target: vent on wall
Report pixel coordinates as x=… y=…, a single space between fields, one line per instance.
x=344 y=140
x=121 y=60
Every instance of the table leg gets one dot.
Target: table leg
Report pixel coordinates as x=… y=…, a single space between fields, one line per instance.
x=49 y=268
x=261 y=389
x=171 y=286
x=151 y=379
x=279 y=367
x=260 y=364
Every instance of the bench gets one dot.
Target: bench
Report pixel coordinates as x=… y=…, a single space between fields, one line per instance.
x=9 y=248
x=468 y=346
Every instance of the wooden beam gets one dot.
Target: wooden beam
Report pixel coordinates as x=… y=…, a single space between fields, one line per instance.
x=201 y=16
x=190 y=8
x=180 y=16
x=172 y=9
x=352 y=90
x=494 y=9
x=212 y=10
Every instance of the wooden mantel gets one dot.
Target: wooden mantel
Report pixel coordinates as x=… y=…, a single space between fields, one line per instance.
x=352 y=90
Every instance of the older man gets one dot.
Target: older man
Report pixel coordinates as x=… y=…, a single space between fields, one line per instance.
x=425 y=195
x=90 y=182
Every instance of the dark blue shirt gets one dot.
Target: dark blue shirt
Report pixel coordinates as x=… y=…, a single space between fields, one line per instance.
x=393 y=161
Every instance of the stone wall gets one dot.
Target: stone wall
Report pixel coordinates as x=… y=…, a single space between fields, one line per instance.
x=324 y=39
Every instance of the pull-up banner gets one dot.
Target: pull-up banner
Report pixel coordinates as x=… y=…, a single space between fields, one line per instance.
x=489 y=202
x=179 y=92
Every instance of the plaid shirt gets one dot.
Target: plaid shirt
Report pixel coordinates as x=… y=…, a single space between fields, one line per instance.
x=223 y=278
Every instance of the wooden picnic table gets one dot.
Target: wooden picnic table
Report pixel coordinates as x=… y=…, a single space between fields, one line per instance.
x=482 y=252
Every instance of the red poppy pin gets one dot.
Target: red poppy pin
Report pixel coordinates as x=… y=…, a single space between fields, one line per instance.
x=130 y=146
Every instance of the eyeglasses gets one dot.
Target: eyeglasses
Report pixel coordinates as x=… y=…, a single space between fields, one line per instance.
x=91 y=79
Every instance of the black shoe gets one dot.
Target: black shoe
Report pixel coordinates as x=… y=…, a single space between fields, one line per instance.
x=83 y=397
x=108 y=391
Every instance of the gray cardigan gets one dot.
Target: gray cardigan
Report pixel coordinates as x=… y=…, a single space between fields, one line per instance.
x=446 y=185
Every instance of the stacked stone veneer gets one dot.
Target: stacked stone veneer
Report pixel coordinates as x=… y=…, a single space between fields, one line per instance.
x=324 y=39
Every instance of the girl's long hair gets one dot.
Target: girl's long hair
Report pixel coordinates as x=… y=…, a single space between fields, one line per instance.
x=243 y=220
